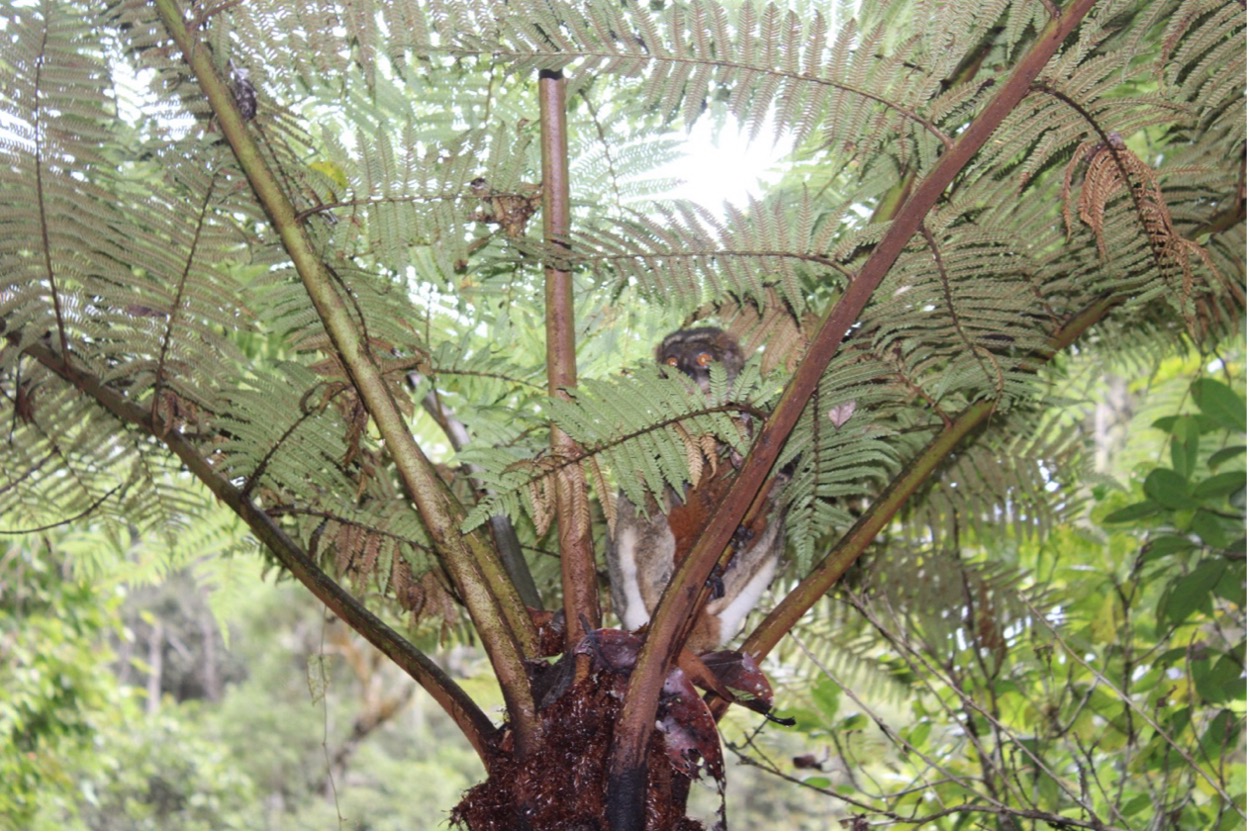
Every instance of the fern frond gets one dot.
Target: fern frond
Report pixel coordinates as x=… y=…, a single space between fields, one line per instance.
x=1020 y=480
x=644 y=428
x=951 y=604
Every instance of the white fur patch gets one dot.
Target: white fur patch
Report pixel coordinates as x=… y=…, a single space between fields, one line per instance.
x=635 y=614
x=734 y=614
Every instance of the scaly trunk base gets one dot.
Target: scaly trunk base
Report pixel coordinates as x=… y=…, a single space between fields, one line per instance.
x=563 y=785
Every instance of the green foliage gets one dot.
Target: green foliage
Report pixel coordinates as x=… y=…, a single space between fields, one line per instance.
x=76 y=748
x=164 y=774
x=80 y=749
x=1194 y=511
x=143 y=284
x=283 y=726
x=1120 y=698
x=618 y=423
x=54 y=703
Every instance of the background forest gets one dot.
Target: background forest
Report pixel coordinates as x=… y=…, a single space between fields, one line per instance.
x=328 y=353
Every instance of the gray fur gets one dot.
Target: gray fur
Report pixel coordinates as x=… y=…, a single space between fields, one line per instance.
x=641 y=552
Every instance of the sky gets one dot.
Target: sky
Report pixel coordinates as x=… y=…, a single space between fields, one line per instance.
x=724 y=165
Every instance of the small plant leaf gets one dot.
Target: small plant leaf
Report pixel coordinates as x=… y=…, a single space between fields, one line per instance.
x=1170 y=489
x=1219 y=401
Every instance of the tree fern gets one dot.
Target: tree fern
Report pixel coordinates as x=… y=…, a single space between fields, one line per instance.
x=383 y=159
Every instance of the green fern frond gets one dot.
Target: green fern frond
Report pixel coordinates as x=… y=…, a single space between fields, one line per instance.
x=953 y=605
x=1021 y=479
x=641 y=427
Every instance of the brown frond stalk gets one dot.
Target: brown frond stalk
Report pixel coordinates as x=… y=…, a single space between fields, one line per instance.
x=508 y=634
x=474 y=723
x=672 y=619
x=576 y=545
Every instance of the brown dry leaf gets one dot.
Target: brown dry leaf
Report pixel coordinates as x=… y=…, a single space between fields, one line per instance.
x=573 y=481
x=693 y=453
x=407 y=592
x=370 y=549
x=607 y=496
x=988 y=629
x=394 y=370
x=1104 y=178
x=170 y=411
x=542 y=502
x=510 y=211
x=345 y=543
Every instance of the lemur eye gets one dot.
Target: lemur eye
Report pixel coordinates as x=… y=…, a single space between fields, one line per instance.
x=671 y=360
x=704 y=359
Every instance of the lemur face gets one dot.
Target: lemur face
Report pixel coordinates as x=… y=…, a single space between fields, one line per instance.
x=695 y=350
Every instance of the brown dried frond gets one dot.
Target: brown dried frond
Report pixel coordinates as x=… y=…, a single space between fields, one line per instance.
x=356 y=550
x=357 y=419
x=542 y=502
x=510 y=211
x=582 y=515
x=694 y=455
x=1108 y=163
x=340 y=391
x=988 y=631
x=439 y=604
x=710 y=449
x=369 y=465
x=339 y=537
x=170 y=412
x=406 y=590
x=541 y=488
x=314 y=541
x=425 y=597
x=394 y=370
x=370 y=549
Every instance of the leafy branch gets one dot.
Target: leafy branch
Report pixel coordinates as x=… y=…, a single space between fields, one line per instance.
x=477 y=728
x=493 y=603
